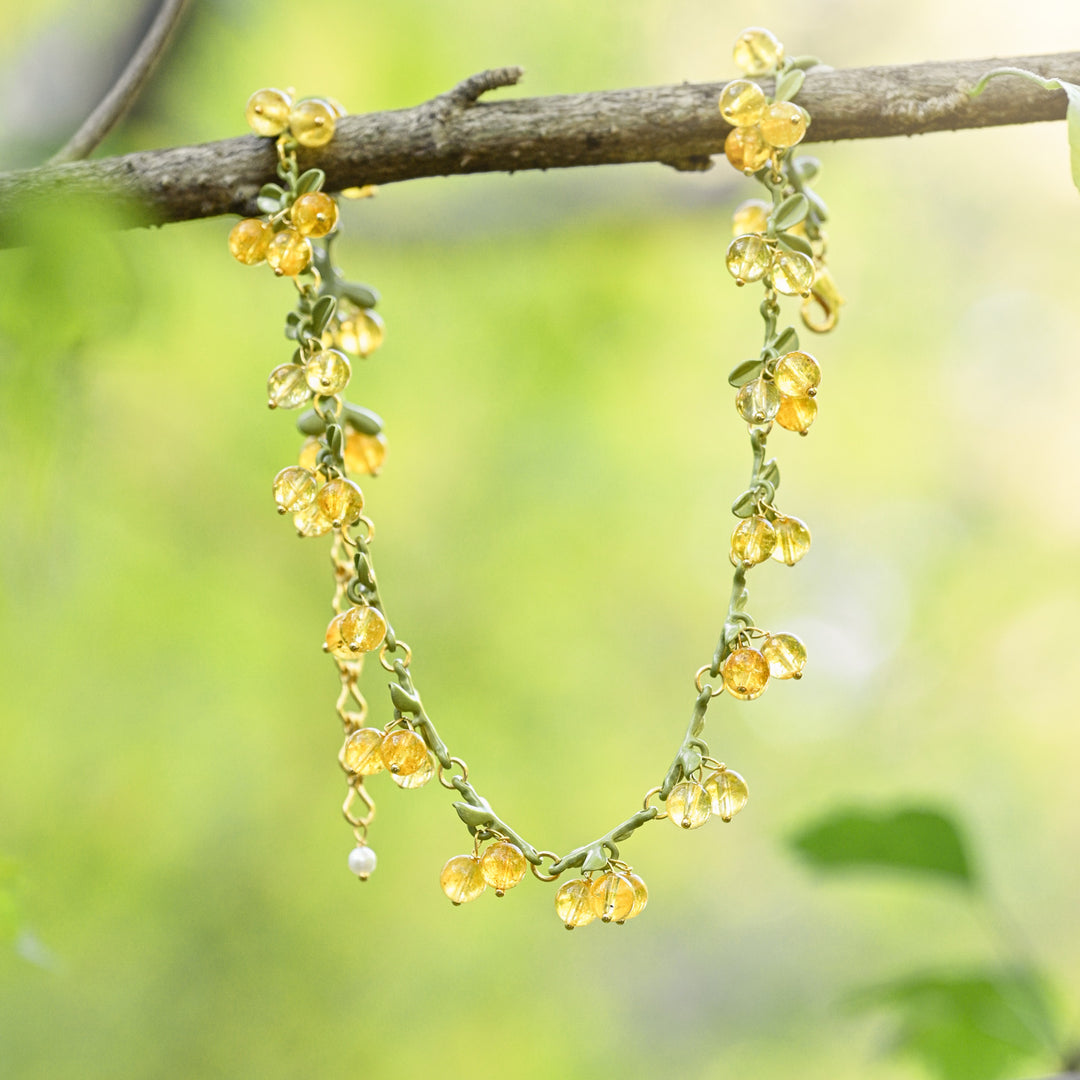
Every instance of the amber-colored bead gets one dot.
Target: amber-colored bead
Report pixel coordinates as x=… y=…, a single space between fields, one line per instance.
x=688 y=805
x=797 y=413
x=249 y=239
x=365 y=454
x=786 y=656
x=416 y=779
x=289 y=253
x=341 y=501
x=403 y=752
x=360 y=754
x=792 y=272
x=783 y=124
x=748 y=258
x=757 y=51
x=752 y=540
x=641 y=894
x=360 y=334
x=309 y=453
x=268 y=111
x=334 y=643
x=287 y=387
x=314 y=214
x=747 y=149
x=746 y=674
x=728 y=792
x=294 y=489
x=312 y=122
x=573 y=903
x=363 y=628
x=751 y=216
x=327 y=372
x=312 y=521
x=792 y=539
x=503 y=866
x=461 y=879
x=742 y=102
x=797 y=374
x=758 y=401
x=612 y=897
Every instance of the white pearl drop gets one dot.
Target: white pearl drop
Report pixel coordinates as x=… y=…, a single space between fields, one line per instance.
x=362 y=860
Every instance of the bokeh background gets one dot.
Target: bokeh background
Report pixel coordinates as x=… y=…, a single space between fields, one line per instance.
x=553 y=526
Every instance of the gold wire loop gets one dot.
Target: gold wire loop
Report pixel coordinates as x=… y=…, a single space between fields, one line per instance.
x=698 y=682
x=356 y=791
x=711 y=763
x=464 y=773
x=824 y=297
x=389 y=664
x=661 y=814
x=535 y=867
x=356 y=541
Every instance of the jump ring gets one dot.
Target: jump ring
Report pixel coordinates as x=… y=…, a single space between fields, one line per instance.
x=534 y=867
x=464 y=773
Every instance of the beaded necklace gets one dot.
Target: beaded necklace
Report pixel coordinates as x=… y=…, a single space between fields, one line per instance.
x=778 y=242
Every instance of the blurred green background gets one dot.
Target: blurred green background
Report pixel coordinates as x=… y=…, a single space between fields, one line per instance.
x=552 y=535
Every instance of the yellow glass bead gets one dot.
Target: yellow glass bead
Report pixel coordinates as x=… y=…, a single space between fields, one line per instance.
x=289 y=253
x=758 y=401
x=403 y=752
x=365 y=454
x=757 y=51
x=747 y=149
x=461 y=879
x=312 y=521
x=360 y=754
x=689 y=805
x=728 y=792
x=752 y=540
x=612 y=897
x=503 y=866
x=309 y=452
x=792 y=272
x=641 y=894
x=294 y=489
x=360 y=334
x=314 y=214
x=341 y=501
x=249 y=239
x=267 y=111
x=786 y=656
x=363 y=628
x=327 y=372
x=792 y=539
x=287 y=387
x=312 y=122
x=748 y=258
x=573 y=903
x=783 y=124
x=797 y=413
x=746 y=674
x=416 y=779
x=334 y=643
x=751 y=216
x=797 y=374
x=742 y=102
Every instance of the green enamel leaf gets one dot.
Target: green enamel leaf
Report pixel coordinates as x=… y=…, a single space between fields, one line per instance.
x=745 y=504
x=790 y=84
x=790 y=212
x=321 y=314
x=786 y=340
x=795 y=243
x=312 y=180
x=745 y=372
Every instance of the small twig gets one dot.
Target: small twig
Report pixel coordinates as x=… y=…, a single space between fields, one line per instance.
x=126 y=88
x=469 y=90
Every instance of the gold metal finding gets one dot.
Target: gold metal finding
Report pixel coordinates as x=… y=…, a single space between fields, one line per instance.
x=824 y=295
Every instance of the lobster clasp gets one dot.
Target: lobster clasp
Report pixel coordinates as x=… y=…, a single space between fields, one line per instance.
x=825 y=296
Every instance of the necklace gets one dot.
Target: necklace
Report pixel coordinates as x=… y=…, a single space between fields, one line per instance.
x=778 y=242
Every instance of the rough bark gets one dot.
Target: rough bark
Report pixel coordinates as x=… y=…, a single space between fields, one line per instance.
x=454 y=133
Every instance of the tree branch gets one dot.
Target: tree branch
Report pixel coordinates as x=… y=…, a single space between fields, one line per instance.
x=454 y=133
x=126 y=88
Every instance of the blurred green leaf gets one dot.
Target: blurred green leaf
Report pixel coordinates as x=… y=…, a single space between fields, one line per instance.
x=789 y=84
x=907 y=839
x=790 y=212
x=794 y=242
x=974 y=1026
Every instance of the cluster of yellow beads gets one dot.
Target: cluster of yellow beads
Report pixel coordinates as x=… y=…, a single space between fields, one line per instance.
x=318 y=509
x=789 y=396
x=283 y=240
x=779 y=536
x=722 y=793
x=401 y=752
x=465 y=877
x=746 y=671
x=614 y=896
x=752 y=257
x=357 y=330
x=358 y=629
